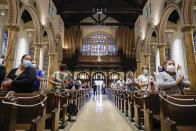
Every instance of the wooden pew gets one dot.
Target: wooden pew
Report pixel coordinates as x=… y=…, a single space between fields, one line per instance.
x=131 y=106
x=178 y=113
x=52 y=110
x=7 y=112
x=31 y=111
x=139 y=109
x=122 y=100
x=126 y=100
x=151 y=111
x=64 y=96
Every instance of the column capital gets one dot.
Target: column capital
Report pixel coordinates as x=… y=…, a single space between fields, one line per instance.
x=160 y=45
x=138 y=61
x=13 y=27
x=51 y=55
x=37 y=45
x=187 y=28
x=146 y=55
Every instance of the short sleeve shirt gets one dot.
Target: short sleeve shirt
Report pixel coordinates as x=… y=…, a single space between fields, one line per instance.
x=59 y=78
x=145 y=79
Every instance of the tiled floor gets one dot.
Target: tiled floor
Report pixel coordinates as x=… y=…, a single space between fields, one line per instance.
x=100 y=115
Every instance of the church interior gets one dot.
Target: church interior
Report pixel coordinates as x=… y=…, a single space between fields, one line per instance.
x=98 y=65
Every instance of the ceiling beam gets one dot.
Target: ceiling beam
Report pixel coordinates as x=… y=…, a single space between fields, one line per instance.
x=104 y=24
x=109 y=11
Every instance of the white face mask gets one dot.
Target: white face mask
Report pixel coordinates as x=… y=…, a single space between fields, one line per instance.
x=171 y=68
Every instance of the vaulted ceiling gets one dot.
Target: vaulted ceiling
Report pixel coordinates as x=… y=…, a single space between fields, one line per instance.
x=123 y=11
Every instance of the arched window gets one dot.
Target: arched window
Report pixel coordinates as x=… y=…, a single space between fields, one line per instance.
x=99 y=44
x=83 y=76
x=98 y=76
x=114 y=76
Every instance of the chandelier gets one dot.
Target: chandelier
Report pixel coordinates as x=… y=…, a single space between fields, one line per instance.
x=99 y=58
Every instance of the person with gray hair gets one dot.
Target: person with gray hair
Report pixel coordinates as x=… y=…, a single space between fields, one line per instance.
x=170 y=81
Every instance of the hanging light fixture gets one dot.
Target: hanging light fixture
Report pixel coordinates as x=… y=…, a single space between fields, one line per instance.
x=3 y=12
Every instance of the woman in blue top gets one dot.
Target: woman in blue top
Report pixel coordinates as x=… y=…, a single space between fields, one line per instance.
x=38 y=77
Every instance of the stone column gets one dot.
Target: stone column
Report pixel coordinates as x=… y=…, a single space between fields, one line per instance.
x=11 y=44
x=161 y=48
x=107 y=78
x=147 y=61
x=59 y=64
x=50 y=68
x=138 y=72
x=37 y=53
x=190 y=55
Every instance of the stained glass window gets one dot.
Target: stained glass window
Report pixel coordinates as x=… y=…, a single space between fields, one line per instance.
x=146 y=13
x=4 y=47
x=194 y=37
x=51 y=9
x=149 y=9
x=98 y=44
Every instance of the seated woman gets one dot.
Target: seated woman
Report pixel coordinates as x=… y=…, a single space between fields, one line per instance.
x=145 y=80
x=21 y=80
x=170 y=81
x=60 y=78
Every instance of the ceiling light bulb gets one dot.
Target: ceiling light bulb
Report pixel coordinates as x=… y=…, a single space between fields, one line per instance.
x=3 y=12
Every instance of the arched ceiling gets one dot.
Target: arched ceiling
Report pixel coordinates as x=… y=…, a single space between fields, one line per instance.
x=124 y=11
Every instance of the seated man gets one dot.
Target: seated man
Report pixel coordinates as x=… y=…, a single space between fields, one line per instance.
x=170 y=81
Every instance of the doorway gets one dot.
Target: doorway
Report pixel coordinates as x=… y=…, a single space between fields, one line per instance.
x=100 y=80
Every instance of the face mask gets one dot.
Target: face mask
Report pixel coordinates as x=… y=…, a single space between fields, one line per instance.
x=120 y=78
x=27 y=63
x=171 y=68
x=145 y=72
x=160 y=70
x=34 y=65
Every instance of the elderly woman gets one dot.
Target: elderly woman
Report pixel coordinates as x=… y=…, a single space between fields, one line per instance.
x=170 y=81
x=21 y=79
x=145 y=80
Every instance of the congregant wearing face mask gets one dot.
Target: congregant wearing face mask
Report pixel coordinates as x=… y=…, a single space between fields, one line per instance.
x=21 y=79
x=38 y=77
x=145 y=80
x=171 y=81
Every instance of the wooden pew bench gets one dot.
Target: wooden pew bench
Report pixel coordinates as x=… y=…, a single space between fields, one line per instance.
x=7 y=112
x=31 y=111
x=139 y=110
x=152 y=112
x=52 y=110
x=178 y=113
x=131 y=106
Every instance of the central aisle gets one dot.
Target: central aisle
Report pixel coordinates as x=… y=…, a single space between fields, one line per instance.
x=100 y=115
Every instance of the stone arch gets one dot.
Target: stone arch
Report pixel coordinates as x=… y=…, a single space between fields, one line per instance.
x=148 y=39
x=163 y=22
x=51 y=34
x=36 y=21
x=188 y=11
